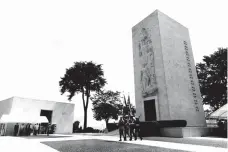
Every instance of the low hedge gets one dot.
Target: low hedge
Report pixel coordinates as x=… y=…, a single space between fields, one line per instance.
x=172 y=123
x=112 y=126
x=149 y=128
x=90 y=130
x=152 y=128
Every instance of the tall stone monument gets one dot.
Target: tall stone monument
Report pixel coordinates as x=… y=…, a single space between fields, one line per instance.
x=166 y=83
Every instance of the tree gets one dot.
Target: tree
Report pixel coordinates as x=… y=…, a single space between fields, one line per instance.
x=106 y=105
x=83 y=77
x=212 y=75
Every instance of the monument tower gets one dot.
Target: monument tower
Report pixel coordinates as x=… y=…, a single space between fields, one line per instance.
x=166 y=83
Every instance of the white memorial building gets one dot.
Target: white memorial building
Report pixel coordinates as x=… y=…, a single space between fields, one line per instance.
x=23 y=110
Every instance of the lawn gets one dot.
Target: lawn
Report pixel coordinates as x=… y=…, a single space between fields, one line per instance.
x=102 y=146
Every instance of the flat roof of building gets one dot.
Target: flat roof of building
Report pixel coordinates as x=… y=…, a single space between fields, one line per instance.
x=37 y=100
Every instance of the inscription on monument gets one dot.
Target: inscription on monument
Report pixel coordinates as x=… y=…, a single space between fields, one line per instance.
x=191 y=76
x=147 y=69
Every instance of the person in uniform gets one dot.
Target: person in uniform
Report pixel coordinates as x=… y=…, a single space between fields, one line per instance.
x=137 y=129
x=126 y=127
x=132 y=127
x=121 y=128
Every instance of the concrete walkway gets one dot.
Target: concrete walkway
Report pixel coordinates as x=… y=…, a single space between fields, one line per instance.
x=169 y=145
x=14 y=144
x=21 y=144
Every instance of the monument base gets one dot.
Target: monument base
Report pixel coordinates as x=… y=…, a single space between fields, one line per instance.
x=180 y=132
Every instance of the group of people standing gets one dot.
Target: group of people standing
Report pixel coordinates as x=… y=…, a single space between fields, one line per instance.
x=26 y=129
x=129 y=126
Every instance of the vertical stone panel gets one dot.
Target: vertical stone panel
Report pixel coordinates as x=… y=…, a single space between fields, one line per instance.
x=150 y=26
x=63 y=116
x=6 y=106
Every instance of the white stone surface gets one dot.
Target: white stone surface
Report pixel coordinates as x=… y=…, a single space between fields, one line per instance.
x=12 y=144
x=179 y=132
x=174 y=98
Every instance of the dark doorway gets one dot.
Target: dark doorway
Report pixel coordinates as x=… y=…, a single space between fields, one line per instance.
x=150 y=110
x=47 y=113
x=43 y=126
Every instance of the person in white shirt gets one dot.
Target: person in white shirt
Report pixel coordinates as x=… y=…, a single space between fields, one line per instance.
x=3 y=130
x=36 y=127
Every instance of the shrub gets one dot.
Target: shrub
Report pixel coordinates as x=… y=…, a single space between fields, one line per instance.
x=112 y=126
x=76 y=126
x=172 y=123
x=152 y=128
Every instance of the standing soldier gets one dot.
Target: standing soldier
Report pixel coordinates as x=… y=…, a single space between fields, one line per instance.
x=132 y=127
x=126 y=127
x=137 y=129
x=121 y=128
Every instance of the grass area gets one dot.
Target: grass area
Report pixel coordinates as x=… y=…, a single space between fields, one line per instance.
x=102 y=146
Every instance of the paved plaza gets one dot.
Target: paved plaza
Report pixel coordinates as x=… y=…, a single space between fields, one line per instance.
x=96 y=143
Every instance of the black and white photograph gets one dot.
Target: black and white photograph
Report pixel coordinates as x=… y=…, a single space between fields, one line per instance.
x=113 y=76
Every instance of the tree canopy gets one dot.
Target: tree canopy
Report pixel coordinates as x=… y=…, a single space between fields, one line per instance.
x=212 y=75
x=82 y=77
x=106 y=105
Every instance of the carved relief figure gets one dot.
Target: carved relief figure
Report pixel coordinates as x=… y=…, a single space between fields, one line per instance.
x=146 y=56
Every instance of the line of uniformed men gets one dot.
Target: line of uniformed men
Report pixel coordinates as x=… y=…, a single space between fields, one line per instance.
x=129 y=126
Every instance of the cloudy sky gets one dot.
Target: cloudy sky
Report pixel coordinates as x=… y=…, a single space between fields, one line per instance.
x=40 y=39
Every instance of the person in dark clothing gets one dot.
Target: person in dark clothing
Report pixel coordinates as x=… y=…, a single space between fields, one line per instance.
x=24 y=131
x=48 y=129
x=16 y=128
x=27 y=129
x=137 y=129
x=132 y=127
x=126 y=127
x=121 y=129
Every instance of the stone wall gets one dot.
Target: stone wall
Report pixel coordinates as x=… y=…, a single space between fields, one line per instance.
x=5 y=106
